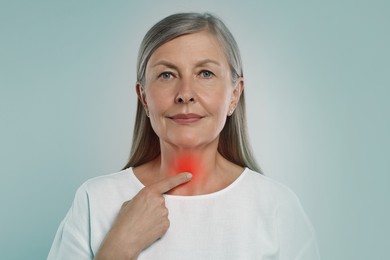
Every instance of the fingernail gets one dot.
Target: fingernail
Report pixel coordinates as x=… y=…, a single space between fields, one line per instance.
x=189 y=175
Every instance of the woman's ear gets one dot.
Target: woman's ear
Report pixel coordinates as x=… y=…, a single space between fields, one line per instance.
x=236 y=94
x=142 y=97
x=141 y=94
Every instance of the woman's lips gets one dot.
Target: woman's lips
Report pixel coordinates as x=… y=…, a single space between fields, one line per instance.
x=186 y=118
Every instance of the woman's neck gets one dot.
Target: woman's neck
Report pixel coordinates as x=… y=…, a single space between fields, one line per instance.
x=198 y=162
x=210 y=170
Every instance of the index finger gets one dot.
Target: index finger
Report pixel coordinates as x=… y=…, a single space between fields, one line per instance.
x=171 y=182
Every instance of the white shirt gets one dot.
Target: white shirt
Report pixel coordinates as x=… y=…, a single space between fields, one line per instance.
x=253 y=218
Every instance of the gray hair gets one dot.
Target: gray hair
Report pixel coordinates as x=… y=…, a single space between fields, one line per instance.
x=233 y=141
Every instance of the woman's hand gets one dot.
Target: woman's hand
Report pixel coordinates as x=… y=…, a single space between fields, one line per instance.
x=141 y=221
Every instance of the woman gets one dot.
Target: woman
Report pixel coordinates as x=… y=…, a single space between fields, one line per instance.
x=191 y=189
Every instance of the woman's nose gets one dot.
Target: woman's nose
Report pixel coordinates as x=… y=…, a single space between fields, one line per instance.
x=185 y=93
x=184 y=100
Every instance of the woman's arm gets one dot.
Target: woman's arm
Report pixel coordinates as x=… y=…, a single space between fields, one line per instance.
x=296 y=234
x=72 y=237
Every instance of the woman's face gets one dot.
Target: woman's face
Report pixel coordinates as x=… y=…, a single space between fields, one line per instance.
x=188 y=90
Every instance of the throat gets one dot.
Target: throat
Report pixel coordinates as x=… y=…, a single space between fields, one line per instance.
x=188 y=163
x=202 y=169
x=210 y=173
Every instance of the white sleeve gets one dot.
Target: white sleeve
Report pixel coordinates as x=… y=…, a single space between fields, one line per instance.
x=296 y=235
x=72 y=240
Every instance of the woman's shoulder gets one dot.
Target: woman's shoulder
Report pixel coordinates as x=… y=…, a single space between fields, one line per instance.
x=269 y=189
x=118 y=182
x=283 y=201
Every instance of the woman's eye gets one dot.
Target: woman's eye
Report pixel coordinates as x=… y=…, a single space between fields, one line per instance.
x=206 y=74
x=166 y=75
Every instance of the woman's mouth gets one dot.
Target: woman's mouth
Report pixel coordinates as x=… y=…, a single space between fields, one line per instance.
x=186 y=118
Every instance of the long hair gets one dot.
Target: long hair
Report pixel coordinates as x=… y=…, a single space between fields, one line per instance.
x=233 y=140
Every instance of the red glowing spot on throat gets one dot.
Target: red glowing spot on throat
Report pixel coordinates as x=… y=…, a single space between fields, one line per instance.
x=187 y=163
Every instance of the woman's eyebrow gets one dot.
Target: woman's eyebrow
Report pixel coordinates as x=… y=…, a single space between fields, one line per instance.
x=165 y=63
x=205 y=61
x=173 y=66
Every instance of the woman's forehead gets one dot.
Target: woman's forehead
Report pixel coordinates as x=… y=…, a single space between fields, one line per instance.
x=195 y=47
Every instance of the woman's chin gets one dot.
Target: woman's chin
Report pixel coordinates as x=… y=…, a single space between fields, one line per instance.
x=189 y=142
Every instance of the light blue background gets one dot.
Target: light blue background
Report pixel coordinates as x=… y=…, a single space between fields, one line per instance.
x=317 y=78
